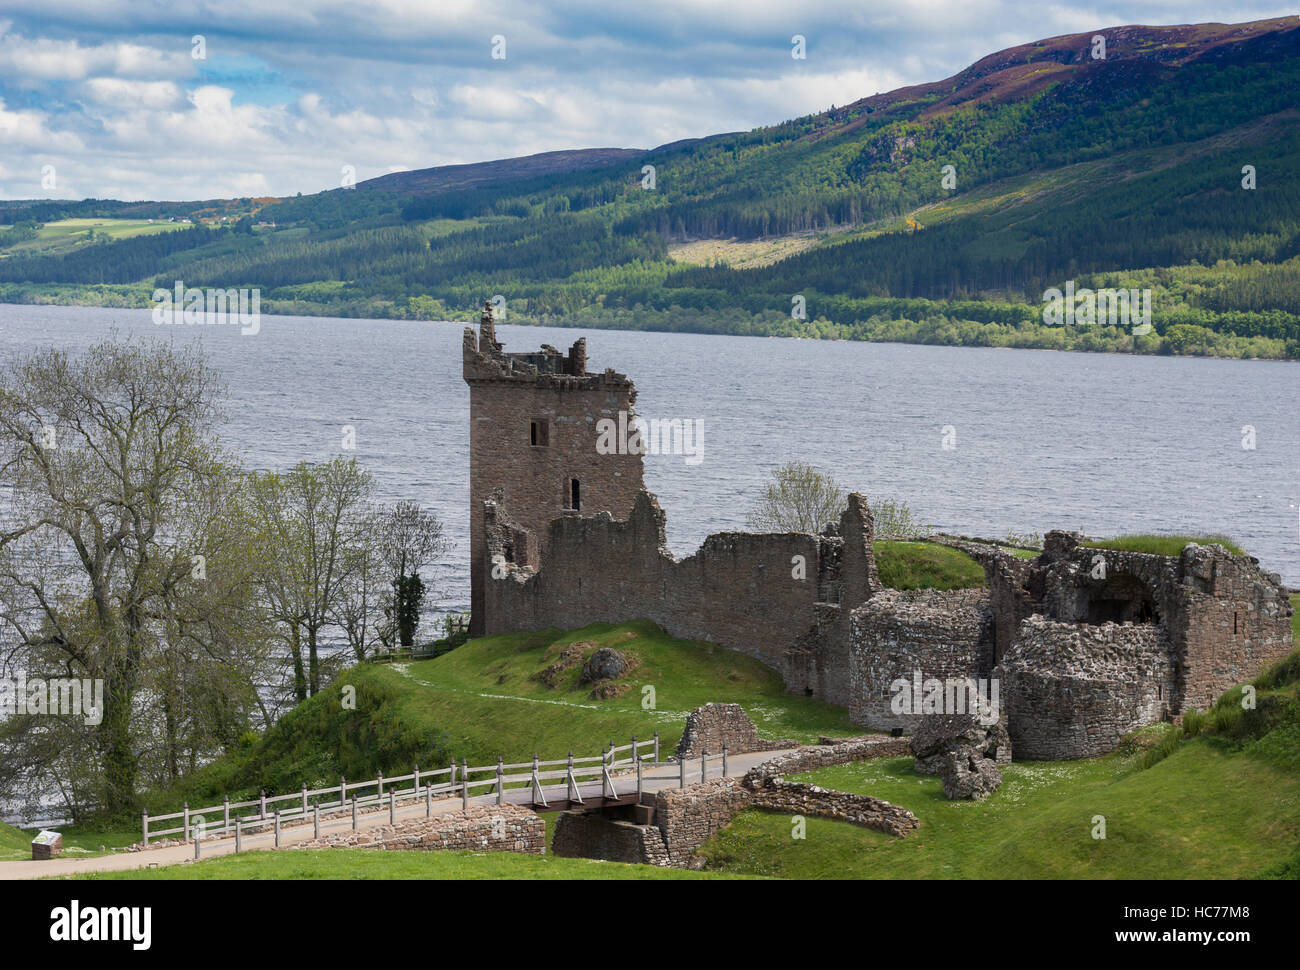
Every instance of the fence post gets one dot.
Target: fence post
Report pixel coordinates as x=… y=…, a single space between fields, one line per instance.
x=185 y=830
x=315 y=812
x=144 y=824
x=537 y=784
x=724 y=761
x=380 y=782
x=392 y=806
x=606 y=757
x=451 y=778
x=304 y=799
x=225 y=828
x=262 y=815
x=569 y=781
x=634 y=751
x=354 y=813
x=638 y=779
x=277 y=828
x=417 y=780
x=464 y=784
x=428 y=801
x=704 y=765
x=343 y=791
x=239 y=833
x=656 y=746
x=501 y=781
x=196 y=843
x=681 y=772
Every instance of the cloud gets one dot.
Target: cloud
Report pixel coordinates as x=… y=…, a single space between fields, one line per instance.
x=292 y=90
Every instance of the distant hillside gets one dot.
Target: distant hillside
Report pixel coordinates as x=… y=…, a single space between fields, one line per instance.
x=937 y=213
x=448 y=178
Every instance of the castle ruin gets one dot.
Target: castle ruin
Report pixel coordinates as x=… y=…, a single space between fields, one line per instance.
x=1086 y=643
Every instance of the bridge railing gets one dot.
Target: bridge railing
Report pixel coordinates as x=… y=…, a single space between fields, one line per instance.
x=467 y=781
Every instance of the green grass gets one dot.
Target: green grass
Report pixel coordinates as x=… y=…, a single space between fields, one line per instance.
x=1201 y=813
x=375 y=864
x=482 y=700
x=926 y=565
x=1217 y=798
x=1162 y=545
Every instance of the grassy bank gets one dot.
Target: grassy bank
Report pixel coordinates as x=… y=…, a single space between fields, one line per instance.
x=371 y=864
x=489 y=698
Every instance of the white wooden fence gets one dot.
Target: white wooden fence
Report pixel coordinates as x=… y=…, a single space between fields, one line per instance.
x=238 y=817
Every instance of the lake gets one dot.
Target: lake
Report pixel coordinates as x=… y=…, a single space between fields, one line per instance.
x=1101 y=443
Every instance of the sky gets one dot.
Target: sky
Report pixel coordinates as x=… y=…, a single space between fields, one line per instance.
x=201 y=99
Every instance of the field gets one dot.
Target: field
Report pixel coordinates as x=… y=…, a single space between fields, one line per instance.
x=68 y=234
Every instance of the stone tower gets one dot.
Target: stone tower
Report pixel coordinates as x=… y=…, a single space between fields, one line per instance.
x=532 y=449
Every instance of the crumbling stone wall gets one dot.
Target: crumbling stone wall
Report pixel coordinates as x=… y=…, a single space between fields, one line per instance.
x=812 y=757
x=756 y=594
x=484 y=828
x=942 y=634
x=800 y=798
x=712 y=726
x=1074 y=690
x=1220 y=617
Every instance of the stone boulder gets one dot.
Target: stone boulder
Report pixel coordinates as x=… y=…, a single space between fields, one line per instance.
x=604 y=664
x=939 y=735
x=966 y=774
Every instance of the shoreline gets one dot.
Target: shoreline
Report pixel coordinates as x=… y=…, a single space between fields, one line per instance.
x=533 y=322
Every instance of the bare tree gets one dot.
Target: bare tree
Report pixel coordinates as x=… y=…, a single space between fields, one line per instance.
x=798 y=499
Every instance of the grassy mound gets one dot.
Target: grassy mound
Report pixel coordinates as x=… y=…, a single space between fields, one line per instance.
x=926 y=565
x=511 y=695
x=1162 y=545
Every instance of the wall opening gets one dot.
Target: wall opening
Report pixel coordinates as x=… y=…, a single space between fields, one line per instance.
x=574 y=495
x=1122 y=598
x=539 y=432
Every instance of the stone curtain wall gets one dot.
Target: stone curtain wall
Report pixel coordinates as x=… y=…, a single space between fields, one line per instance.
x=710 y=727
x=484 y=828
x=1074 y=690
x=942 y=634
x=737 y=591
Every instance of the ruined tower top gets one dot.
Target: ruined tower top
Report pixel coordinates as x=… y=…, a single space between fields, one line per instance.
x=485 y=360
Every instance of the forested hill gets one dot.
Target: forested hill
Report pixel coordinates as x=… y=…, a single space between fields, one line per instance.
x=1156 y=158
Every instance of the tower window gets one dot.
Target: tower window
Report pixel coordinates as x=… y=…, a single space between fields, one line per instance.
x=574 y=496
x=539 y=432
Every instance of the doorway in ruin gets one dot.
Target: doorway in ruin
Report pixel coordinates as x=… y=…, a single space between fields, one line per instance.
x=1121 y=598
